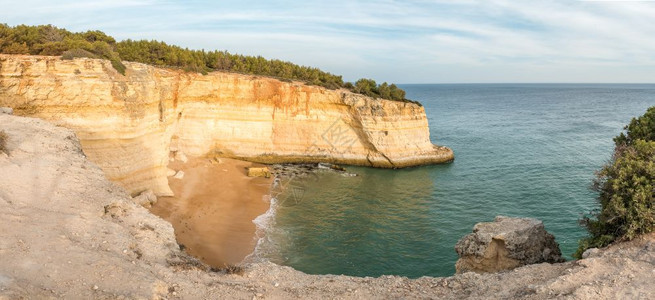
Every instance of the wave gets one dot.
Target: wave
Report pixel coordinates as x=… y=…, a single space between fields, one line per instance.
x=265 y=227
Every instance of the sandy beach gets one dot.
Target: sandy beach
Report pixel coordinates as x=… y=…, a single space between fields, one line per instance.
x=213 y=209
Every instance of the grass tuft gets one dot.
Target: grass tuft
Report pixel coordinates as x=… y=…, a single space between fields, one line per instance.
x=230 y=269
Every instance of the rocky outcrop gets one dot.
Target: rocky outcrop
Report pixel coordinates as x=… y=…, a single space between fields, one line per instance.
x=129 y=124
x=146 y=199
x=259 y=172
x=505 y=244
x=6 y=110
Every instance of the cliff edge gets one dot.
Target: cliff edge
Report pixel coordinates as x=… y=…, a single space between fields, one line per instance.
x=129 y=124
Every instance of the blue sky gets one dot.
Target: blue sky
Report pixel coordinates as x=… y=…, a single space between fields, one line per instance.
x=397 y=41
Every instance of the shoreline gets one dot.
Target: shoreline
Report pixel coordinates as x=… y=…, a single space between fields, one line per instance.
x=219 y=214
x=214 y=209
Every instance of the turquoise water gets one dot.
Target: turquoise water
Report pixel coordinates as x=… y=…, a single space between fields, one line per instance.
x=521 y=150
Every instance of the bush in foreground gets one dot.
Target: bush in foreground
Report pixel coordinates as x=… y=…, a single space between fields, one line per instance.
x=626 y=188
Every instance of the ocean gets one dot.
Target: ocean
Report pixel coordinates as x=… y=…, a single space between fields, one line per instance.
x=522 y=150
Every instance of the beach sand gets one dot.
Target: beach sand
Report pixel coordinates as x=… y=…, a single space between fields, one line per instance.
x=213 y=209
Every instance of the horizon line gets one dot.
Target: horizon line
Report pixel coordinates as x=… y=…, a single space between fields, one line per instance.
x=462 y=83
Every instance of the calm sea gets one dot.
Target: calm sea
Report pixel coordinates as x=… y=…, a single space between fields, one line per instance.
x=526 y=150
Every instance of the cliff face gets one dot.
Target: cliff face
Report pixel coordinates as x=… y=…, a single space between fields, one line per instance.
x=129 y=124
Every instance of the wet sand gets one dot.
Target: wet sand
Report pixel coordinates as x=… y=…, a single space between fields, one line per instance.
x=213 y=209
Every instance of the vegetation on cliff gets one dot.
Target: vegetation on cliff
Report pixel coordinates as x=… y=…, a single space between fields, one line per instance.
x=50 y=40
x=626 y=187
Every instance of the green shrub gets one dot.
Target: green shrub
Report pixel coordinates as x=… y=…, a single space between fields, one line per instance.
x=118 y=65
x=53 y=48
x=642 y=128
x=3 y=141
x=626 y=187
x=370 y=88
x=16 y=48
x=77 y=53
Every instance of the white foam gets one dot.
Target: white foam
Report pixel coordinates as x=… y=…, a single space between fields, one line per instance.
x=265 y=224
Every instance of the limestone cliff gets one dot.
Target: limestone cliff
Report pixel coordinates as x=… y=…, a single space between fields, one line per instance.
x=129 y=124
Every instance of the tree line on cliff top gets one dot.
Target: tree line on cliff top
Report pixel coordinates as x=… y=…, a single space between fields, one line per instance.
x=50 y=40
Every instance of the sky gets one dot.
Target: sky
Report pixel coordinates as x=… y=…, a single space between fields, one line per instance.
x=466 y=41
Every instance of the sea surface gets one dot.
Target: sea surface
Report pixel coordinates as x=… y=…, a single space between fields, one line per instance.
x=524 y=150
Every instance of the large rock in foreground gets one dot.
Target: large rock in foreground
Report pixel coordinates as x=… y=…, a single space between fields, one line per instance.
x=505 y=244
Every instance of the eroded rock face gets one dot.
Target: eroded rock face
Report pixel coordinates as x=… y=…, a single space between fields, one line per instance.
x=129 y=124
x=505 y=244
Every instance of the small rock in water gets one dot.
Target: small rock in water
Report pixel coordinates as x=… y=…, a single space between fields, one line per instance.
x=259 y=172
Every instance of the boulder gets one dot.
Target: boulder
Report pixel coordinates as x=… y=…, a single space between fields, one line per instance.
x=590 y=252
x=259 y=172
x=6 y=110
x=179 y=175
x=146 y=199
x=170 y=172
x=504 y=244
